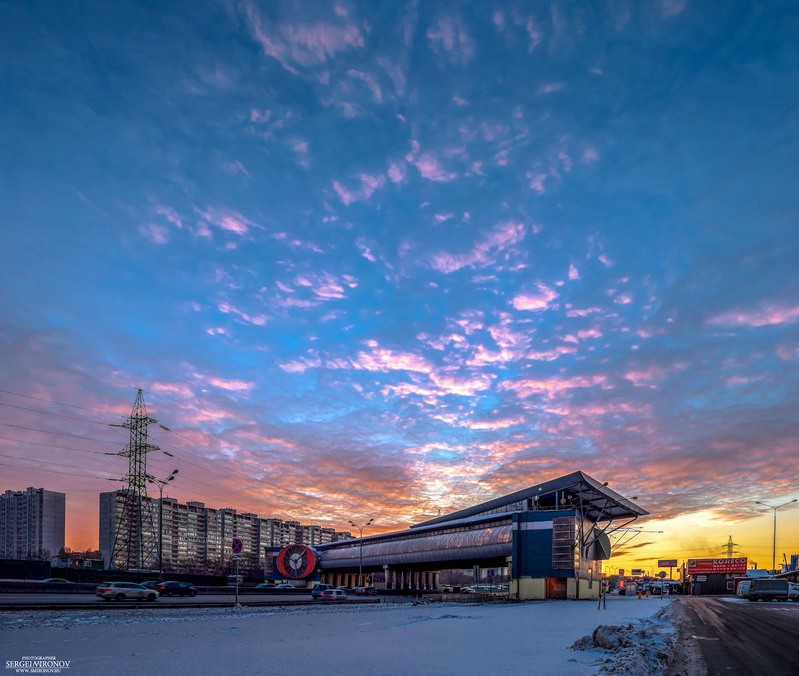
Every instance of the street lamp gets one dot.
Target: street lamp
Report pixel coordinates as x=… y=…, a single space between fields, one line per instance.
x=360 y=562
x=774 y=542
x=160 y=483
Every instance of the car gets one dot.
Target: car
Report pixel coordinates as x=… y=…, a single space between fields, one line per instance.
x=365 y=591
x=346 y=590
x=122 y=591
x=334 y=595
x=317 y=590
x=266 y=585
x=56 y=580
x=174 y=588
x=285 y=585
x=467 y=590
x=150 y=584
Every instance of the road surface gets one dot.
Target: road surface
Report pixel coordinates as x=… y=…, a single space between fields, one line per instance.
x=741 y=638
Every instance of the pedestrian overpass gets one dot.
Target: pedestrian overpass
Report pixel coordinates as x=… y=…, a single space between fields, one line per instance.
x=551 y=537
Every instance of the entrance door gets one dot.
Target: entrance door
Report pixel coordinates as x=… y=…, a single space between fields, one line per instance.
x=556 y=587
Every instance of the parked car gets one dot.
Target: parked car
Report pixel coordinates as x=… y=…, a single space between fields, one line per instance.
x=346 y=590
x=365 y=591
x=56 y=580
x=317 y=590
x=266 y=585
x=150 y=584
x=334 y=595
x=121 y=591
x=284 y=585
x=173 y=588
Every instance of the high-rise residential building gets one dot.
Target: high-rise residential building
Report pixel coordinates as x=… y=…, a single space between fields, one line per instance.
x=197 y=538
x=32 y=523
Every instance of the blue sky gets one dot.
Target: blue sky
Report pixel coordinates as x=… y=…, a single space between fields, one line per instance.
x=385 y=259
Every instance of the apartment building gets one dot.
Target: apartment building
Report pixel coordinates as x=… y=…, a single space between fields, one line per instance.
x=197 y=538
x=32 y=523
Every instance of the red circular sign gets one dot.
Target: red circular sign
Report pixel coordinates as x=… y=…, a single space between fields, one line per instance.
x=296 y=562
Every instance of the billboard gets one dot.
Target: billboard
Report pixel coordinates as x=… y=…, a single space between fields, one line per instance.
x=704 y=566
x=667 y=563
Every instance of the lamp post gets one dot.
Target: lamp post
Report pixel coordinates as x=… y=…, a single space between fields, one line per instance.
x=161 y=483
x=360 y=537
x=774 y=541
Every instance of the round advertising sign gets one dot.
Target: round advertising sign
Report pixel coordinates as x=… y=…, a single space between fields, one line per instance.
x=296 y=562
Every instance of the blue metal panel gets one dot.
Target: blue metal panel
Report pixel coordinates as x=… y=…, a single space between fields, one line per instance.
x=532 y=544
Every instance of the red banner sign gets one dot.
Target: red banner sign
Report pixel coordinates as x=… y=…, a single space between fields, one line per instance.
x=704 y=566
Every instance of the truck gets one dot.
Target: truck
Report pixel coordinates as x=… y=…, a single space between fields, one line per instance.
x=771 y=589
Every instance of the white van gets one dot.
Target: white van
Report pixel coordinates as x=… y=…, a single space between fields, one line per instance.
x=743 y=588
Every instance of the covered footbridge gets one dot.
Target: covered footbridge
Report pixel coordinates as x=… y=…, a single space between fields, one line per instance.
x=552 y=538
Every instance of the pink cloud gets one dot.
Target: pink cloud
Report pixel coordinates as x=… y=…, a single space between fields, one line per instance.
x=176 y=389
x=157 y=234
x=225 y=219
x=540 y=300
x=347 y=197
x=550 y=355
x=537 y=181
x=396 y=172
x=645 y=377
x=430 y=168
x=550 y=387
x=258 y=320
x=448 y=36
x=501 y=238
x=231 y=385
x=767 y=314
x=170 y=214
x=369 y=81
x=301 y=45
x=551 y=87
x=590 y=155
x=574 y=273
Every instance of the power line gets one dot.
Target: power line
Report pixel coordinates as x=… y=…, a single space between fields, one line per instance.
x=62 y=403
x=59 y=415
x=60 y=434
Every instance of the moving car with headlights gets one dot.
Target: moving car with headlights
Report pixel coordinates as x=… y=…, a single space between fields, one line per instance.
x=173 y=588
x=317 y=590
x=334 y=595
x=365 y=591
x=123 y=591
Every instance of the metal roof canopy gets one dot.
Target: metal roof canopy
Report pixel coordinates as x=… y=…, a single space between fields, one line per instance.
x=576 y=490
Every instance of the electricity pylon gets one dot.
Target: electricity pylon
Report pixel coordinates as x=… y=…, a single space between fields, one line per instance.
x=135 y=539
x=730 y=547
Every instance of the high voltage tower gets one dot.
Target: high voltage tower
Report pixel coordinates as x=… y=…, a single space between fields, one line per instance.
x=730 y=548
x=135 y=539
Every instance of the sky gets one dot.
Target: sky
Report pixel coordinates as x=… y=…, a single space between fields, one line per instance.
x=388 y=260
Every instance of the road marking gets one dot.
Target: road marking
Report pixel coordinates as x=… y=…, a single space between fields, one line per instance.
x=704 y=638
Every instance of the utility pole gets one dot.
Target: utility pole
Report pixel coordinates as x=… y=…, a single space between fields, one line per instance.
x=135 y=538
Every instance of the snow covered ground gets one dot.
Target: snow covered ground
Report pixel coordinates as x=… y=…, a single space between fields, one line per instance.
x=439 y=638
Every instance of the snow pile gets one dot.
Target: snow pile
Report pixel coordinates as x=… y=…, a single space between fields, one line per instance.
x=643 y=647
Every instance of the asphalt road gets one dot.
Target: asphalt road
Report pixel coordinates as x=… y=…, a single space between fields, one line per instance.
x=11 y=601
x=741 y=638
